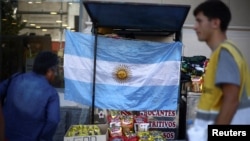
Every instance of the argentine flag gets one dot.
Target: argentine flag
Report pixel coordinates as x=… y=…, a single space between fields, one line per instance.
x=130 y=75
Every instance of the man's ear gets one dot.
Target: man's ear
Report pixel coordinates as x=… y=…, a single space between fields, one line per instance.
x=48 y=74
x=216 y=23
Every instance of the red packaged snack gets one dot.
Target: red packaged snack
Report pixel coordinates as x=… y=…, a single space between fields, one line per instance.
x=127 y=123
x=141 y=123
x=131 y=136
x=117 y=138
x=115 y=131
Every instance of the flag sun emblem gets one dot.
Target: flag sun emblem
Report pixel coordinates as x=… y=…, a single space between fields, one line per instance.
x=122 y=73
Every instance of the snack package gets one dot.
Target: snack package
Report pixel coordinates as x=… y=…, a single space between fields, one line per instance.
x=131 y=136
x=127 y=123
x=141 y=123
x=83 y=130
x=117 y=138
x=157 y=135
x=143 y=127
x=145 y=136
x=115 y=131
x=114 y=120
x=197 y=83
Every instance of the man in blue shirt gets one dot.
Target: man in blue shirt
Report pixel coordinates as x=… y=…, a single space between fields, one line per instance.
x=31 y=109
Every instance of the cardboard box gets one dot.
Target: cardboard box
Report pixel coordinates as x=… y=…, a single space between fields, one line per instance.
x=102 y=137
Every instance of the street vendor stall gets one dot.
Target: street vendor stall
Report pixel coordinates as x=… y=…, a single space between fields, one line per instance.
x=128 y=21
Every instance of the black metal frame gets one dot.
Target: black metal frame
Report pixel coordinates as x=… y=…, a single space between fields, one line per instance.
x=124 y=31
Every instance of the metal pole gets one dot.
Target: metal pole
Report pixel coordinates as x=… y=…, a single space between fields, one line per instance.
x=92 y=116
x=81 y=17
x=94 y=74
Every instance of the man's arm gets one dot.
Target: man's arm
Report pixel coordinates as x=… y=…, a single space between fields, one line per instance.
x=230 y=102
x=53 y=118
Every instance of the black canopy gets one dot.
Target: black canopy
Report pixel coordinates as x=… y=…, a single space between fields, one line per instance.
x=137 y=17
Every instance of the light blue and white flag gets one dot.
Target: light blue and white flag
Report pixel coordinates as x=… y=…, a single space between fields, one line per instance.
x=130 y=74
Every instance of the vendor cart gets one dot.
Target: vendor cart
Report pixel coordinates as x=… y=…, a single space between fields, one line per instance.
x=135 y=21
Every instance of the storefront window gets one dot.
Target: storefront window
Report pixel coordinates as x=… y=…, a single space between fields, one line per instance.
x=28 y=27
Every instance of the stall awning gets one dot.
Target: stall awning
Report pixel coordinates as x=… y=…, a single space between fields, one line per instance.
x=143 y=17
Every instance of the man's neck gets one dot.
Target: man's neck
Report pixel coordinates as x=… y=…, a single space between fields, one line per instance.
x=216 y=40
